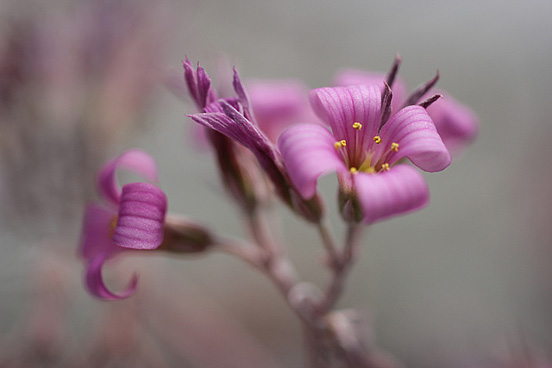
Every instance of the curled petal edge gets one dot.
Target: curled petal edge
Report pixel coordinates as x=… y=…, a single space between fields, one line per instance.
x=136 y=161
x=418 y=140
x=96 y=285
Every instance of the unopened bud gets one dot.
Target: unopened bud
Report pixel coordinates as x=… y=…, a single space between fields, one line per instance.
x=183 y=236
x=237 y=176
x=349 y=205
x=312 y=209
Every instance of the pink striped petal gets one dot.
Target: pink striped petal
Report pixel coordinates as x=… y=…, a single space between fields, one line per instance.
x=418 y=140
x=96 y=285
x=134 y=160
x=351 y=77
x=96 y=232
x=308 y=152
x=141 y=217
x=456 y=123
x=395 y=192
x=342 y=106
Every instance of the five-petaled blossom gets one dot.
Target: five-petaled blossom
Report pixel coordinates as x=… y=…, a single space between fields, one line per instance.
x=365 y=148
x=131 y=218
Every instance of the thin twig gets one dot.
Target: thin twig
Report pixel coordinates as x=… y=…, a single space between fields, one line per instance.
x=335 y=286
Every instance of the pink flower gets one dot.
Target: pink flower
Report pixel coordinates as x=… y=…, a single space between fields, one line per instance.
x=234 y=118
x=365 y=149
x=131 y=219
x=456 y=123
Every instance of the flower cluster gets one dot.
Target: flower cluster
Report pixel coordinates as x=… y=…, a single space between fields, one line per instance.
x=276 y=142
x=365 y=129
x=371 y=135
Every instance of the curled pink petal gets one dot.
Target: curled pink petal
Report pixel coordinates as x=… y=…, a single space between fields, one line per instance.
x=141 y=217
x=417 y=139
x=96 y=285
x=341 y=107
x=96 y=232
x=351 y=77
x=456 y=124
x=134 y=160
x=308 y=152
x=398 y=191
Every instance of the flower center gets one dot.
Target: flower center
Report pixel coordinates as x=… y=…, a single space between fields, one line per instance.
x=365 y=158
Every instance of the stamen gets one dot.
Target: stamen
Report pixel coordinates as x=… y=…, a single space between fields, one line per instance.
x=385 y=167
x=340 y=144
x=357 y=126
x=395 y=147
x=377 y=139
x=113 y=225
x=353 y=170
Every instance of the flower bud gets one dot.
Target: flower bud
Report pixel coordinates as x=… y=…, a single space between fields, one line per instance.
x=184 y=237
x=349 y=205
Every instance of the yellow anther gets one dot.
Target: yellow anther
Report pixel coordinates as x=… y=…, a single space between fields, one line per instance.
x=395 y=147
x=385 y=167
x=113 y=225
x=340 y=144
x=357 y=126
x=377 y=139
x=353 y=170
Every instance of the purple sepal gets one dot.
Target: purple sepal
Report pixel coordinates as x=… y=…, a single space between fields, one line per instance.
x=199 y=85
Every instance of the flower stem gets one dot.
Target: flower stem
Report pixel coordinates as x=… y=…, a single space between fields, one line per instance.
x=329 y=245
x=339 y=275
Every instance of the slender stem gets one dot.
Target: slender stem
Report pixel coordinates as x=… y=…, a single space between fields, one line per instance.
x=315 y=356
x=259 y=230
x=329 y=245
x=335 y=286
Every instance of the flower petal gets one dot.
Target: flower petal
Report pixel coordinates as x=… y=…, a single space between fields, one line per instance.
x=279 y=104
x=141 y=217
x=351 y=77
x=308 y=152
x=398 y=191
x=96 y=232
x=456 y=123
x=134 y=160
x=418 y=140
x=96 y=285
x=342 y=106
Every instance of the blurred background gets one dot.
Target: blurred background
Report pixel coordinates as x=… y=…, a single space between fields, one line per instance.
x=463 y=283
